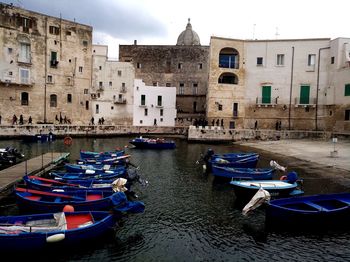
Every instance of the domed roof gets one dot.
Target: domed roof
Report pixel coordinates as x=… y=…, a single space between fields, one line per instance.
x=188 y=37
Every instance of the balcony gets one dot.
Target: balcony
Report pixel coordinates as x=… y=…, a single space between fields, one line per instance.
x=266 y=101
x=53 y=63
x=24 y=60
x=12 y=83
x=305 y=102
x=93 y=96
x=100 y=88
x=123 y=89
x=120 y=101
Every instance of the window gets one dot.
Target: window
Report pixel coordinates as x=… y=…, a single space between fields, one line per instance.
x=146 y=111
x=200 y=66
x=347 y=114
x=85 y=43
x=97 y=108
x=143 y=100
x=112 y=107
x=54 y=30
x=332 y=60
x=10 y=73
x=100 y=67
x=98 y=95
x=69 y=98
x=80 y=69
x=280 y=60
x=24 y=75
x=347 y=90
x=168 y=84
x=86 y=91
x=10 y=50
x=266 y=95
x=87 y=105
x=53 y=100
x=220 y=107
x=229 y=58
x=26 y=24
x=68 y=33
x=110 y=83
x=141 y=121
x=53 y=59
x=49 y=79
x=311 y=60
x=24 y=55
x=182 y=88
x=154 y=83
x=24 y=99
x=138 y=65
x=161 y=119
x=228 y=78
x=120 y=97
x=159 y=101
x=235 y=109
x=304 y=94
x=259 y=61
x=119 y=72
x=100 y=84
x=161 y=111
x=123 y=85
x=195 y=88
x=179 y=66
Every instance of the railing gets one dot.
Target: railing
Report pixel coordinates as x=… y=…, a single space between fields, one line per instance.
x=25 y=60
x=305 y=101
x=123 y=89
x=100 y=88
x=120 y=101
x=53 y=63
x=267 y=101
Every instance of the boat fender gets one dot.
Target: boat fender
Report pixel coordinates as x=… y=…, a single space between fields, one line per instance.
x=55 y=238
x=68 y=208
x=68 y=140
x=283 y=178
x=89 y=172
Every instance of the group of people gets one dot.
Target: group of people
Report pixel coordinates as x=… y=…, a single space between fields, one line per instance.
x=62 y=120
x=101 y=121
x=16 y=121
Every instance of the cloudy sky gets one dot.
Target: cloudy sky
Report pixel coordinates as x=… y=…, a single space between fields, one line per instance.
x=159 y=22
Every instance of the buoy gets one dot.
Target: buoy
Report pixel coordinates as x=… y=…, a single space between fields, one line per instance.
x=55 y=238
x=68 y=140
x=68 y=208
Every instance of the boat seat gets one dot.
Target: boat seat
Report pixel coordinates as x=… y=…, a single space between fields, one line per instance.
x=76 y=220
x=318 y=207
x=35 y=198
x=93 y=197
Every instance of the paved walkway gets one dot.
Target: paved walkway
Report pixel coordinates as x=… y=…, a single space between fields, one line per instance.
x=317 y=151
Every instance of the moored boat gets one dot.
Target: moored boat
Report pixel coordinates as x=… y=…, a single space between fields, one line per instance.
x=38 y=231
x=101 y=155
x=150 y=143
x=94 y=169
x=243 y=173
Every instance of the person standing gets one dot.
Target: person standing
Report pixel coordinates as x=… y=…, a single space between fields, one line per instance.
x=0 y=119
x=21 y=119
x=30 y=120
x=92 y=121
x=14 y=120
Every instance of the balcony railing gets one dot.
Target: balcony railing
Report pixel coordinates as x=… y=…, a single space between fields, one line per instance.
x=93 y=96
x=24 y=60
x=100 y=88
x=120 y=101
x=123 y=89
x=267 y=101
x=53 y=63
x=305 y=101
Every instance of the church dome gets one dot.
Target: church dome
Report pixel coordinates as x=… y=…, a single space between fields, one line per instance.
x=188 y=37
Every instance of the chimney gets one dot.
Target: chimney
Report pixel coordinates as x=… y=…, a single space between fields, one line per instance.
x=135 y=42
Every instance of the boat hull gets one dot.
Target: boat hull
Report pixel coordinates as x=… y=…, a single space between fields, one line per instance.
x=152 y=144
x=243 y=173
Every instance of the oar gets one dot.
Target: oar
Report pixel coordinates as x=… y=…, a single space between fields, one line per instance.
x=52 y=181
x=43 y=193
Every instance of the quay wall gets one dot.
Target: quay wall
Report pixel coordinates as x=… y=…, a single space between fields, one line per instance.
x=192 y=133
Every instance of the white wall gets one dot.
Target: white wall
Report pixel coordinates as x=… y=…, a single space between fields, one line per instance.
x=168 y=95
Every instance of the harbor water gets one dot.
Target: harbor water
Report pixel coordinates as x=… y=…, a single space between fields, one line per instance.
x=190 y=216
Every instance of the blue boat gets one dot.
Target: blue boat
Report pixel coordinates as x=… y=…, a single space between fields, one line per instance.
x=309 y=212
x=119 y=160
x=247 y=162
x=245 y=190
x=30 y=200
x=87 y=176
x=38 y=231
x=101 y=155
x=94 y=169
x=243 y=173
x=150 y=143
x=235 y=156
x=38 y=137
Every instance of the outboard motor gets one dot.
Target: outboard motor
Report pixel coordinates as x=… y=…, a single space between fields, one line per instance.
x=292 y=177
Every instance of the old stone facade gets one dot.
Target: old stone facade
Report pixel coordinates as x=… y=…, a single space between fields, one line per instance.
x=112 y=88
x=45 y=67
x=279 y=84
x=184 y=66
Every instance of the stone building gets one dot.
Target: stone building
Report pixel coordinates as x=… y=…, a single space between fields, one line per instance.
x=153 y=105
x=184 y=66
x=112 y=88
x=290 y=84
x=45 y=67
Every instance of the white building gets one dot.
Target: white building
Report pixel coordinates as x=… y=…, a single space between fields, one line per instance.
x=112 y=88
x=154 y=105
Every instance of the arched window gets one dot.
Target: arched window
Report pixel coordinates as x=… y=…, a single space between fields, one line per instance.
x=228 y=78
x=24 y=99
x=229 y=58
x=53 y=100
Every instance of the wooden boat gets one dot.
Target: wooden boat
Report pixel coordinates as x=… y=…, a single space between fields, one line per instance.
x=245 y=190
x=101 y=155
x=309 y=212
x=38 y=231
x=150 y=143
x=82 y=200
x=243 y=173
x=94 y=169
x=87 y=176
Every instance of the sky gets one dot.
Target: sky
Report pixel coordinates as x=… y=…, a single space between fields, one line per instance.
x=159 y=22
